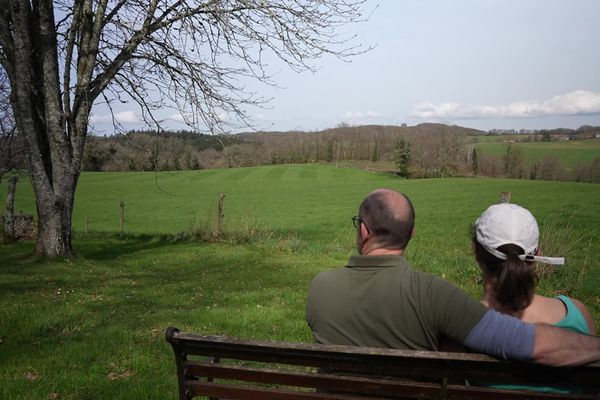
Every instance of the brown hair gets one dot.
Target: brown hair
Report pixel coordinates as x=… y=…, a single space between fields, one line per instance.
x=513 y=280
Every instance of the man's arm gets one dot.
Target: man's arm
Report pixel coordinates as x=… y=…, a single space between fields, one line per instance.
x=561 y=347
x=482 y=330
x=506 y=337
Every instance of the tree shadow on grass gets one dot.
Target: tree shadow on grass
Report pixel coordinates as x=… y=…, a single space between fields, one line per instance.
x=110 y=247
x=20 y=254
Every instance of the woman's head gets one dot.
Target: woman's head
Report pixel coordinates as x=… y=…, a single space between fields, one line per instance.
x=505 y=240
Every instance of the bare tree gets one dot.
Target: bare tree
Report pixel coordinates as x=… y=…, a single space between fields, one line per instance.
x=9 y=215
x=513 y=160
x=8 y=138
x=62 y=57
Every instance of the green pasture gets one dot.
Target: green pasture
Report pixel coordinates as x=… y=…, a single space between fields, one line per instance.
x=570 y=153
x=92 y=327
x=499 y=138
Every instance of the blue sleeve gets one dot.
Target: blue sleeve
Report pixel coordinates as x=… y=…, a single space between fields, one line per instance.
x=502 y=336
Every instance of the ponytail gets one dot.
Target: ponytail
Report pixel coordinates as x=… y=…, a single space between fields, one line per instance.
x=513 y=280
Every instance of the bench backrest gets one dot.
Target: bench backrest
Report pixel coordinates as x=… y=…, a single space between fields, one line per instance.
x=228 y=368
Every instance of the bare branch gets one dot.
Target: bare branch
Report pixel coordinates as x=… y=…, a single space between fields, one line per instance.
x=70 y=45
x=6 y=39
x=188 y=43
x=109 y=17
x=11 y=146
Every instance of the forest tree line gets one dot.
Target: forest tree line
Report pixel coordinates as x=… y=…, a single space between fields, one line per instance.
x=421 y=151
x=435 y=149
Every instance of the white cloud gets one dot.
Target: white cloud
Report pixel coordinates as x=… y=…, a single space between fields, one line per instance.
x=223 y=116
x=125 y=117
x=362 y=115
x=577 y=102
x=178 y=117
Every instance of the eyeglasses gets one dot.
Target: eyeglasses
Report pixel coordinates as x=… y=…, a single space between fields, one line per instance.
x=356 y=221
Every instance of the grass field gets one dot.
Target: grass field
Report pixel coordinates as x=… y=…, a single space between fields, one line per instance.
x=498 y=138
x=92 y=327
x=570 y=153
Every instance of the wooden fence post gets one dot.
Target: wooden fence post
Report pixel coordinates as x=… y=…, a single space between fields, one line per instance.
x=220 y=216
x=122 y=219
x=87 y=225
x=505 y=197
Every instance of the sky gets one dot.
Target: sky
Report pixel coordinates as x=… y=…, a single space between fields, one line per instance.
x=485 y=64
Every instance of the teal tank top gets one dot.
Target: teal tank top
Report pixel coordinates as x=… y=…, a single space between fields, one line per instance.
x=574 y=321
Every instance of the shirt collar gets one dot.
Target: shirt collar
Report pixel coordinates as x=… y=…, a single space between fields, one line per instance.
x=377 y=261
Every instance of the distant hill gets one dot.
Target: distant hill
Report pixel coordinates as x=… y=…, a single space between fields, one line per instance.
x=344 y=130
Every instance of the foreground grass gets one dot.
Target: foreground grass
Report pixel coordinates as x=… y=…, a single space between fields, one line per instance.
x=92 y=327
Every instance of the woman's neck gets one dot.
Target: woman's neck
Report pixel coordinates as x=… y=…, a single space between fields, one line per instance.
x=489 y=300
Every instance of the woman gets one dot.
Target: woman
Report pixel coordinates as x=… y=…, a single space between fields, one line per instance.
x=506 y=245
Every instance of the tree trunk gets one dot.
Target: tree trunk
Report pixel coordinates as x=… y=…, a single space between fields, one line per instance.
x=54 y=145
x=54 y=225
x=9 y=216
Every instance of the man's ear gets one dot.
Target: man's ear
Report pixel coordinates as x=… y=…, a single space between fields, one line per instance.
x=364 y=232
x=412 y=233
x=538 y=252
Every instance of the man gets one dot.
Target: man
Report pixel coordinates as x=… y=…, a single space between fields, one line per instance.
x=378 y=300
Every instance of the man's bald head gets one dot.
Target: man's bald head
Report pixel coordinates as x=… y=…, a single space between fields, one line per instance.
x=390 y=218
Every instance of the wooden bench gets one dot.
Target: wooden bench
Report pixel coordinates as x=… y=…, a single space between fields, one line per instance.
x=228 y=368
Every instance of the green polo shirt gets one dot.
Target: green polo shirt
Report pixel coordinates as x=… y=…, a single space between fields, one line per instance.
x=380 y=301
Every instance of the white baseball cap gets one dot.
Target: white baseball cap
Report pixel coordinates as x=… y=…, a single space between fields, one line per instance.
x=509 y=223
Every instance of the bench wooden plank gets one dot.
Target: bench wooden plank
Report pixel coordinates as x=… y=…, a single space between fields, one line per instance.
x=337 y=383
x=237 y=392
x=354 y=384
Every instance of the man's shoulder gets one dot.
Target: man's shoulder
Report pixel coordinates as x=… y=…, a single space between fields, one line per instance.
x=326 y=276
x=433 y=285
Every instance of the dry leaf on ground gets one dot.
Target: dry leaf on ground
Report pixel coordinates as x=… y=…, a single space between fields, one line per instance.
x=128 y=373
x=32 y=375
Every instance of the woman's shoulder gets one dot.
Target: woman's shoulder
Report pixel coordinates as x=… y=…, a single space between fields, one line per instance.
x=575 y=314
x=586 y=315
x=548 y=310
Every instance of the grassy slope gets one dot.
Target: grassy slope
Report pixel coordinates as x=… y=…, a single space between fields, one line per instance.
x=569 y=153
x=92 y=327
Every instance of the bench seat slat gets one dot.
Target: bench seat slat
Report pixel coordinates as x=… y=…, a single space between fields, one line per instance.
x=329 y=382
x=415 y=391
x=354 y=384
x=230 y=391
